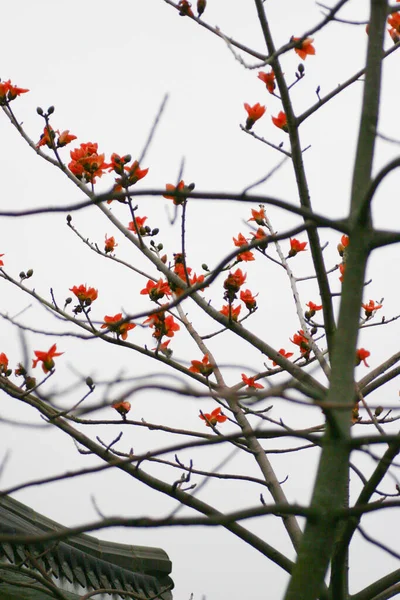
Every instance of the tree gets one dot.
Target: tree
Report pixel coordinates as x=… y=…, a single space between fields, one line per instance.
x=319 y=369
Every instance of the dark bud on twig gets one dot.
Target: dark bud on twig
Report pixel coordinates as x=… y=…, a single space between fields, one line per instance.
x=378 y=411
x=50 y=110
x=69 y=219
x=89 y=383
x=22 y=275
x=301 y=69
x=39 y=111
x=29 y=273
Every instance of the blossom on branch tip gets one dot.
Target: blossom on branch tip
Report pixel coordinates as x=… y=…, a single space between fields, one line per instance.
x=243 y=256
x=312 y=309
x=65 y=138
x=283 y=353
x=85 y=295
x=3 y=363
x=230 y=311
x=140 y=221
x=300 y=340
x=296 y=246
x=361 y=356
x=343 y=244
x=370 y=308
x=46 y=358
x=268 y=79
x=9 y=92
x=86 y=163
x=234 y=281
x=182 y=190
x=1 y=262
x=304 y=48
x=250 y=382
x=280 y=121
x=249 y=300
x=202 y=366
x=114 y=324
x=109 y=244
x=47 y=137
x=258 y=216
x=213 y=418
x=123 y=407
x=156 y=290
x=254 y=113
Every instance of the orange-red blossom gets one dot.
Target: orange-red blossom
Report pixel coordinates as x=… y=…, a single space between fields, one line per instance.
x=182 y=190
x=234 y=281
x=296 y=246
x=46 y=358
x=251 y=383
x=254 y=113
x=280 y=121
x=283 y=353
x=243 y=256
x=258 y=216
x=370 y=308
x=312 y=309
x=304 y=48
x=268 y=79
x=9 y=92
x=1 y=262
x=213 y=418
x=109 y=244
x=123 y=407
x=344 y=242
x=202 y=366
x=156 y=290
x=48 y=136
x=230 y=311
x=185 y=9
x=84 y=294
x=248 y=299
x=162 y=325
x=87 y=163
x=140 y=221
x=3 y=363
x=129 y=174
x=114 y=324
x=302 y=342
x=361 y=356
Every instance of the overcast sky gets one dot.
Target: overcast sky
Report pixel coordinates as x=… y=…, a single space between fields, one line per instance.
x=106 y=68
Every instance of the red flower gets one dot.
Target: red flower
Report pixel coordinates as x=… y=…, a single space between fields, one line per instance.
x=215 y=417
x=296 y=246
x=313 y=308
x=162 y=325
x=243 y=256
x=122 y=407
x=370 y=308
x=87 y=163
x=234 y=281
x=230 y=311
x=129 y=174
x=268 y=79
x=361 y=356
x=394 y=34
x=114 y=324
x=156 y=291
x=109 y=244
x=184 y=9
x=140 y=221
x=46 y=358
x=300 y=340
x=47 y=137
x=280 y=121
x=394 y=21
x=284 y=354
x=9 y=92
x=84 y=294
x=203 y=367
x=65 y=138
x=1 y=262
x=164 y=348
x=183 y=190
x=249 y=300
x=258 y=216
x=344 y=242
x=304 y=48
x=249 y=381
x=3 y=364
x=254 y=113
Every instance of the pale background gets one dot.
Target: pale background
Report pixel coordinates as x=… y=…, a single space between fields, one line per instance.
x=106 y=68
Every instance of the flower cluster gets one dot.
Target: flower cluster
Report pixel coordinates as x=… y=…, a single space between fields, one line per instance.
x=9 y=92
x=117 y=325
x=162 y=325
x=128 y=175
x=86 y=163
x=49 y=135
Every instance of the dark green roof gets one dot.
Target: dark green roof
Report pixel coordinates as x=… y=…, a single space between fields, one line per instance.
x=82 y=559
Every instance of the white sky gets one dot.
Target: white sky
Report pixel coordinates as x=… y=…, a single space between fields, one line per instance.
x=106 y=68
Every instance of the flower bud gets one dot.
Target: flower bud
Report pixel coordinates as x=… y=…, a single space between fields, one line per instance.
x=155 y=231
x=29 y=273
x=22 y=275
x=50 y=110
x=89 y=383
x=378 y=411
x=39 y=111
x=69 y=219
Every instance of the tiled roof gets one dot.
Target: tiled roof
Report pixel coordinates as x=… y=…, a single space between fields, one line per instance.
x=83 y=560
